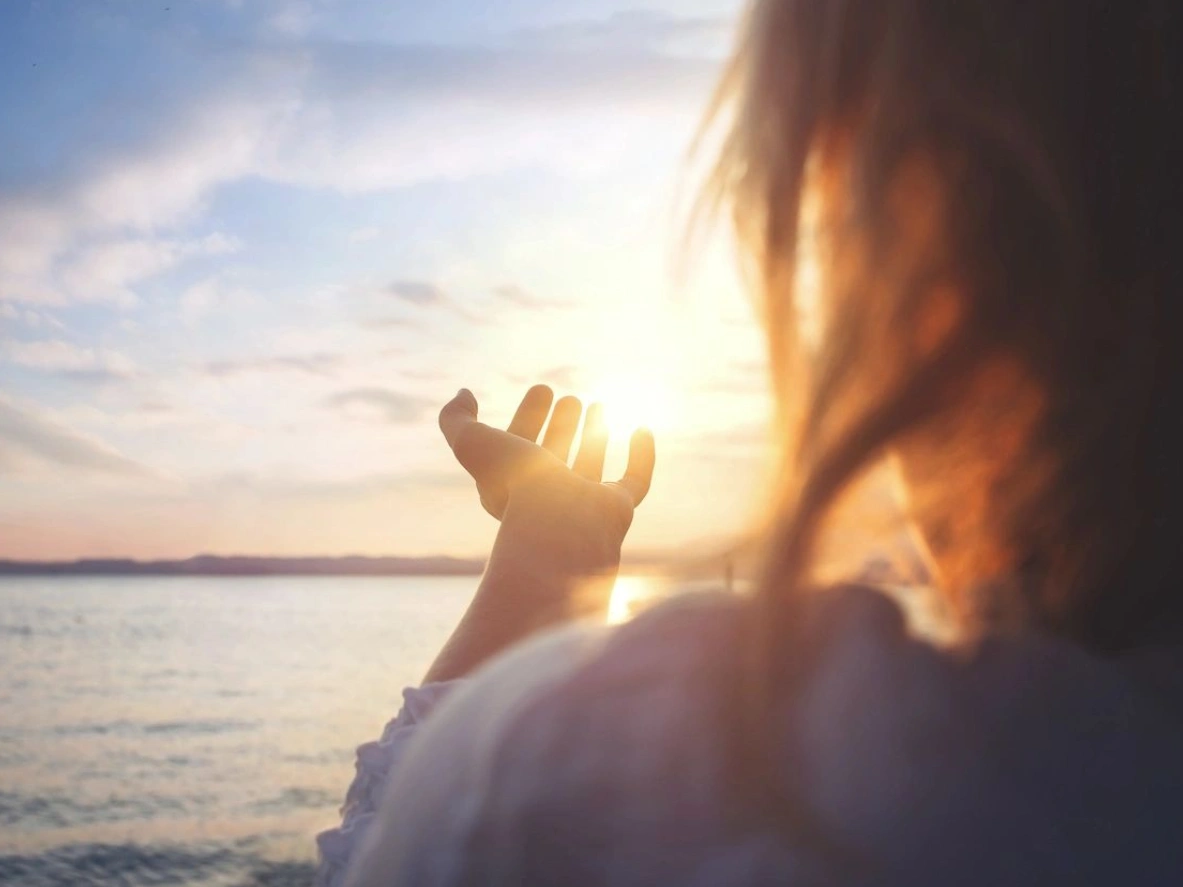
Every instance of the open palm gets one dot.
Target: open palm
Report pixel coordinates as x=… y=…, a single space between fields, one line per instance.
x=513 y=471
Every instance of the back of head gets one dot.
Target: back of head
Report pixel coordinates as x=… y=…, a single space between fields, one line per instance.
x=991 y=192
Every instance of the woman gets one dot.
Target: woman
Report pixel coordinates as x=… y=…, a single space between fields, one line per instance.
x=991 y=191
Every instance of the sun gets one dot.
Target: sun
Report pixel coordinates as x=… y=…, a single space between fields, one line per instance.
x=633 y=401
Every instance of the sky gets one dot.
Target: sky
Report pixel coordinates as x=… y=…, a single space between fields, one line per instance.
x=248 y=248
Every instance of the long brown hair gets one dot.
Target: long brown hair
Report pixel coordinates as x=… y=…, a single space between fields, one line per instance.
x=1002 y=246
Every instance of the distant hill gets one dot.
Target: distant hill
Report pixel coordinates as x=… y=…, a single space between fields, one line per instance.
x=692 y=562
x=210 y=565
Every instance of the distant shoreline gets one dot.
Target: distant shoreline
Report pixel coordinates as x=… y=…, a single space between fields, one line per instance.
x=350 y=565
x=210 y=565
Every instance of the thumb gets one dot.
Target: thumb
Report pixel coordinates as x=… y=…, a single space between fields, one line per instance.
x=487 y=454
x=458 y=414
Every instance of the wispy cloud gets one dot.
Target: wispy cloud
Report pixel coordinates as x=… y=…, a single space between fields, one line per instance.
x=320 y=364
x=417 y=292
x=515 y=295
x=424 y=294
x=632 y=30
x=29 y=434
x=106 y=271
x=29 y=317
x=208 y=296
x=389 y=323
x=67 y=359
x=394 y=407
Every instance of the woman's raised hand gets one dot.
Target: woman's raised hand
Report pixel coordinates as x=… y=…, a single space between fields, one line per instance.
x=526 y=481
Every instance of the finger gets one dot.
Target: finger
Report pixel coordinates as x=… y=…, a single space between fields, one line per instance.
x=488 y=454
x=642 y=455
x=457 y=414
x=564 y=422
x=532 y=412
x=589 y=462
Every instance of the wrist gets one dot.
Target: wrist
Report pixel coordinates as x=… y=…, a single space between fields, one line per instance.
x=552 y=566
x=564 y=544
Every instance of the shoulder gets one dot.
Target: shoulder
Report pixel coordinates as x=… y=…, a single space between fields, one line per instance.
x=557 y=747
x=596 y=745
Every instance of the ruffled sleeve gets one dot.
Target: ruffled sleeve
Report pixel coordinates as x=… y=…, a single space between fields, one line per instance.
x=375 y=762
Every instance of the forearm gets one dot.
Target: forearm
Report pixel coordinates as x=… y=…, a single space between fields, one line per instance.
x=558 y=549
x=538 y=576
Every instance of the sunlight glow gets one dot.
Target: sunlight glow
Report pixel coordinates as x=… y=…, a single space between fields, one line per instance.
x=631 y=594
x=632 y=402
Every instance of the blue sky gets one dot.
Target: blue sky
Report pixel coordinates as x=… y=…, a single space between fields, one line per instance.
x=247 y=247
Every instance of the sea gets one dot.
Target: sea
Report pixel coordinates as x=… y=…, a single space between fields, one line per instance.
x=199 y=731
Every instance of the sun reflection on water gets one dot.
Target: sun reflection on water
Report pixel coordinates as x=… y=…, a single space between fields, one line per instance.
x=631 y=594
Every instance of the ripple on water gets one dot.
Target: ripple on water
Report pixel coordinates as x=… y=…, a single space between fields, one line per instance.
x=296 y=798
x=203 y=727
x=55 y=810
x=135 y=865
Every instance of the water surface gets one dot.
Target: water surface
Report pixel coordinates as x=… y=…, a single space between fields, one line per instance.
x=195 y=730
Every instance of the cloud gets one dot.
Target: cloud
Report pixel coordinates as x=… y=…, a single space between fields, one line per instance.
x=67 y=359
x=155 y=407
x=389 y=323
x=417 y=292
x=424 y=294
x=533 y=78
x=33 y=319
x=208 y=296
x=28 y=317
x=352 y=118
x=25 y=433
x=106 y=271
x=320 y=364
x=515 y=295
x=105 y=204
x=394 y=407
x=632 y=30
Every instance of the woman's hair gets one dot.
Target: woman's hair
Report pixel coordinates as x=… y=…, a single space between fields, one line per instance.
x=993 y=191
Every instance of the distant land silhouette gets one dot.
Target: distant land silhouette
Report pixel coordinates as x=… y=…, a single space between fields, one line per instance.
x=700 y=560
x=211 y=565
x=726 y=566
x=250 y=565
